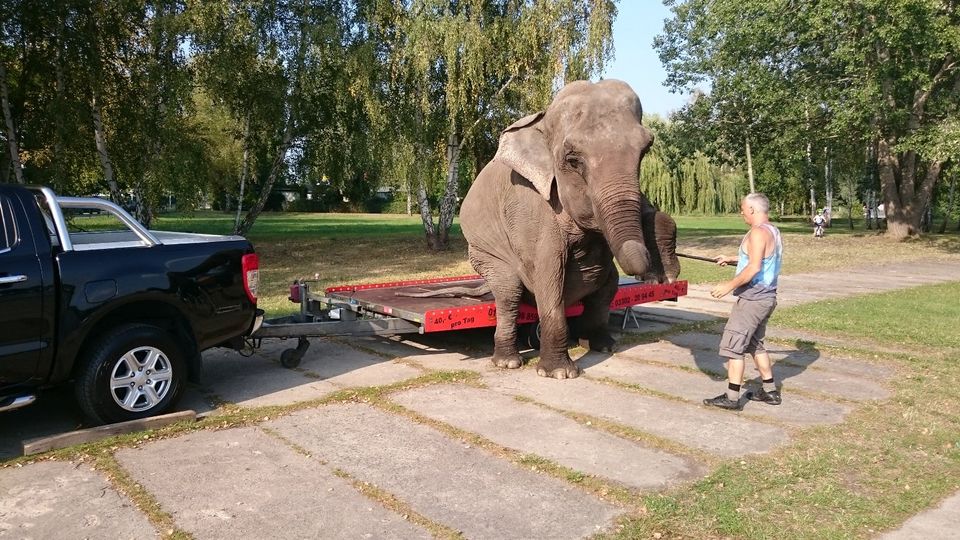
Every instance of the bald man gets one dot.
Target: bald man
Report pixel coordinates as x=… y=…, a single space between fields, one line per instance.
x=755 y=285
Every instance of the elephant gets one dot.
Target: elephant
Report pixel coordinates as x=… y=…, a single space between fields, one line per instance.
x=545 y=218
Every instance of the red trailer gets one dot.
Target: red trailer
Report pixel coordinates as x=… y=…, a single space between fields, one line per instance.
x=375 y=309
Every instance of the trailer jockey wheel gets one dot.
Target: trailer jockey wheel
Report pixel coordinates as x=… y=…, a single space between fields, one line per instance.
x=290 y=358
x=529 y=335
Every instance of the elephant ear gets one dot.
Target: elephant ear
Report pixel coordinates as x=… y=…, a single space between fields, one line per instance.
x=524 y=149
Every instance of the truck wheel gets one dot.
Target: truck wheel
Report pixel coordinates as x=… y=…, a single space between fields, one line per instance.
x=133 y=371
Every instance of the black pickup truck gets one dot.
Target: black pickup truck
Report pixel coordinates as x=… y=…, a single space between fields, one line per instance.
x=122 y=315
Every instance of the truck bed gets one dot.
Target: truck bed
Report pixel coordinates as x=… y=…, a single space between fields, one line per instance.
x=118 y=239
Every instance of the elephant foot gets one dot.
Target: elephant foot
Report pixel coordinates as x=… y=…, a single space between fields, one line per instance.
x=601 y=342
x=564 y=369
x=512 y=361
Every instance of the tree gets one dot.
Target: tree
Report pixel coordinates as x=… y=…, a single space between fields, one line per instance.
x=457 y=71
x=848 y=73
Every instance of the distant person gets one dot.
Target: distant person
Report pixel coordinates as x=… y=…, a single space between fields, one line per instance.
x=755 y=285
x=881 y=216
x=819 y=221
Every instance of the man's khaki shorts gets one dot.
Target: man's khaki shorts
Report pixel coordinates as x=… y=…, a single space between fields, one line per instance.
x=746 y=327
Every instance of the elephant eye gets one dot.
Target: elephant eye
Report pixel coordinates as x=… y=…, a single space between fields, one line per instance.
x=574 y=162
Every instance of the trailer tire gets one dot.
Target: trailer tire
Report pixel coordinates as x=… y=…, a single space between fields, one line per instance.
x=530 y=335
x=132 y=371
x=290 y=358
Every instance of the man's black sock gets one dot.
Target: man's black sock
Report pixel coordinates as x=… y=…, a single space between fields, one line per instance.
x=733 y=392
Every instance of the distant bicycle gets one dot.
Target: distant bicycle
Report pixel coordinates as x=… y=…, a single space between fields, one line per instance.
x=818 y=222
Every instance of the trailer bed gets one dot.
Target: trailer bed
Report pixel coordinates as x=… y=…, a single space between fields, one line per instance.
x=440 y=314
x=375 y=309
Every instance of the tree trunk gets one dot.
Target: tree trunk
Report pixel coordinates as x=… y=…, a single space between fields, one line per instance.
x=409 y=198
x=828 y=187
x=11 y=129
x=950 y=201
x=252 y=214
x=142 y=209
x=101 y=141
x=903 y=200
x=810 y=182
x=448 y=204
x=243 y=170
x=425 y=213
x=753 y=188
x=59 y=134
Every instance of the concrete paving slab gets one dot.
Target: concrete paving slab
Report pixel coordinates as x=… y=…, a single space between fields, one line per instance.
x=256 y=381
x=343 y=365
x=445 y=480
x=52 y=499
x=670 y=310
x=398 y=346
x=822 y=381
x=639 y=325
x=942 y=522
x=684 y=423
x=244 y=483
x=195 y=399
x=695 y=386
x=528 y=428
x=779 y=352
x=427 y=358
x=704 y=305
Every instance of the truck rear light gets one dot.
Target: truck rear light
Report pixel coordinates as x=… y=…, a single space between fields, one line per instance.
x=250 y=264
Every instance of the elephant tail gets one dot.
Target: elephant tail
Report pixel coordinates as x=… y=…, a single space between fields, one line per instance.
x=449 y=292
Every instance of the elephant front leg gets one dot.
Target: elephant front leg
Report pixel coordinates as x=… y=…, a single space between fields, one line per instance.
x=505 y=352
x=594 y=325
x=555 y=359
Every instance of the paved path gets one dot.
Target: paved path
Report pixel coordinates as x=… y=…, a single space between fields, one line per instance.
x=505 y=455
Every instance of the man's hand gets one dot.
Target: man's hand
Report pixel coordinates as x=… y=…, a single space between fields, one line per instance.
x=722 y=290
x=723 y=261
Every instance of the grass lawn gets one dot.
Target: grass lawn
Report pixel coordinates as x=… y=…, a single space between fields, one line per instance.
x=363 y=248
x=886 y=462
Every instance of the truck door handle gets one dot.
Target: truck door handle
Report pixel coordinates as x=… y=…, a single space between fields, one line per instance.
x=12 y=279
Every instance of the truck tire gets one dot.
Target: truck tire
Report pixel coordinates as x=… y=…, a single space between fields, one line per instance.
x=132 y=371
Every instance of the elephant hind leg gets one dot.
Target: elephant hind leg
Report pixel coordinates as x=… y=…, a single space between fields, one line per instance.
x=507 y=290
x=594 y=325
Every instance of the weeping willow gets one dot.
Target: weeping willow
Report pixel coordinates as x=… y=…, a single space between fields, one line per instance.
x=694 y=186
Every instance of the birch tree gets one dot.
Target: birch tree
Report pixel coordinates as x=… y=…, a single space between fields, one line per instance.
x=462 y=68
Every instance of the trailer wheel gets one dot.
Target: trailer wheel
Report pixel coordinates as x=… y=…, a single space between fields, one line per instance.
x=290 y=358
x=133 y=371
x=530 y=335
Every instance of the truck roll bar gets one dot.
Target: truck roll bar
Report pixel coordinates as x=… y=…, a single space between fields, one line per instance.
x=56 y=204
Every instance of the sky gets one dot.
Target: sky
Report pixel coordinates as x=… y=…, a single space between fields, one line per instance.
x=636 y=62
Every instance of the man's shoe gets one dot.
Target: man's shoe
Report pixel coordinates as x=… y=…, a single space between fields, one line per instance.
x=770 y=398
x=723 y=402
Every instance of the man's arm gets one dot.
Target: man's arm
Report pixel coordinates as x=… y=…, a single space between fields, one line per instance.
x=756 y=247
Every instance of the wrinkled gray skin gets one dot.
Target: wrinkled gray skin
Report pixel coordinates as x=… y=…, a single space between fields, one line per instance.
x=545 y=218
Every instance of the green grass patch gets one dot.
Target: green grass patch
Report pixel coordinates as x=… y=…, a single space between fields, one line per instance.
x=889 y=460
x=925 y=316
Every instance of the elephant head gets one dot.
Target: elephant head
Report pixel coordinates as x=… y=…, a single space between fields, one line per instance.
x=583 y=155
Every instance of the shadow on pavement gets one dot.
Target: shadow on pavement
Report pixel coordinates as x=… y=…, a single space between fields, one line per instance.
x=787 y=363
x=54 y=412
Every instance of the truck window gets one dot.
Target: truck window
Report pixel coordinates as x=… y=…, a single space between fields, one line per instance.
x=8 y=235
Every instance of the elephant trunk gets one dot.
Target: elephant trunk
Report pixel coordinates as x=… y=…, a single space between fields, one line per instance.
x=619 y=215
